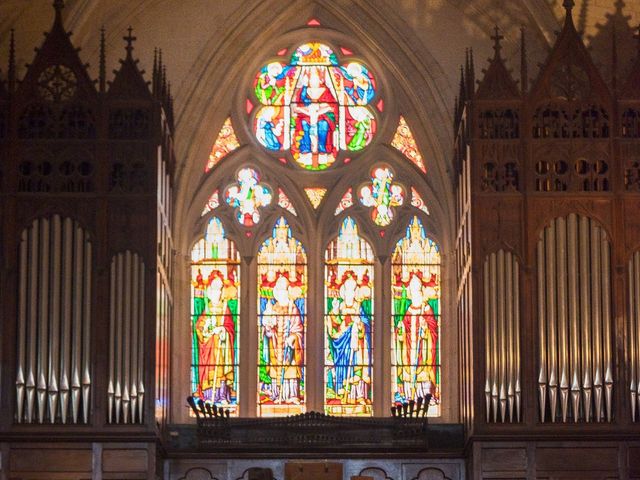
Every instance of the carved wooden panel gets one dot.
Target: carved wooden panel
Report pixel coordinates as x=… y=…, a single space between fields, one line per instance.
x=499 y=124
x=315 y=470
x=571 y=167
x=561 y=120
x=129 y=171
x=66 y=172
x=500 y=167
x=49 y=121
x=630 y=160
x=129 y=123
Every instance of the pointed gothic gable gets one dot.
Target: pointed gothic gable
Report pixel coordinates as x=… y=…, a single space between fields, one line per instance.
x=497 y=83
x=57 y=73
x=129 y=81
x=569 y=72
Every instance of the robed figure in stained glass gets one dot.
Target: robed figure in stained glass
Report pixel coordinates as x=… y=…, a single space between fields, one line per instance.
x=281 y=310
x=214 y=317
x=415 y=329
x=416 y=335
x=282 y=336
x=348 y=323
x=215 y=333
x=350 y=337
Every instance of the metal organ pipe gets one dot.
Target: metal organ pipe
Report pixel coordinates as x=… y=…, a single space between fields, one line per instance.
x=52 y=264
x=43 y=320
x=487 y=341
x=550 y=278
x=574 y=321
x=54 y=338
x=33 y=321
x=516 y=336
x=634 y=334
x=585 y=315
x=494 y=342
x=65 y=358
x=502 y=337
x=112 y=340
x=596 y=292
x=126 y=339
x=563 y=344
x=542 y=332
x=575 y=273
x=606 y=325
x=86 y=336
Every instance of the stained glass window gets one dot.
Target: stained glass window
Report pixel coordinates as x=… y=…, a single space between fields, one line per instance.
x=212 y=203
x=315 y=195
x=215 y=288
x=415 y=308
x=403 y=140
x=314 y=106
x=247 y=196
x=282 y=322
x=382 y=195
x=284 y=202
x=226 y=143
x=417 y=201
x=345 y=202
x=348 y=323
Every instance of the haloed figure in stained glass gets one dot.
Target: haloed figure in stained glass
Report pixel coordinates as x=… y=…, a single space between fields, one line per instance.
x=348 y=324
x=415 y=328
x=350 y=337
x=214 y=317
x=281 y=308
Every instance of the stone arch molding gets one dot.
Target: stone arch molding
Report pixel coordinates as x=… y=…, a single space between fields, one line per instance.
x=419 y=80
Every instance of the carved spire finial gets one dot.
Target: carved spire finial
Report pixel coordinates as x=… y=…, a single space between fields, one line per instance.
x=129 y=39
x=58 y=5
x=12 y=62
x=568 y=6
x=103 y=61
x=497 y=38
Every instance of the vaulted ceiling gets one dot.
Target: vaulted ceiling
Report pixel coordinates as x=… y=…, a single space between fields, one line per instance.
x=209 y=47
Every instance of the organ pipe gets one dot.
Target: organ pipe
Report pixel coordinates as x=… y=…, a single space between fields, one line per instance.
x=542 y=336
x=634 y=334
x=502 y=337
x=575 y=321
x=125 y=393
x=55 y=258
